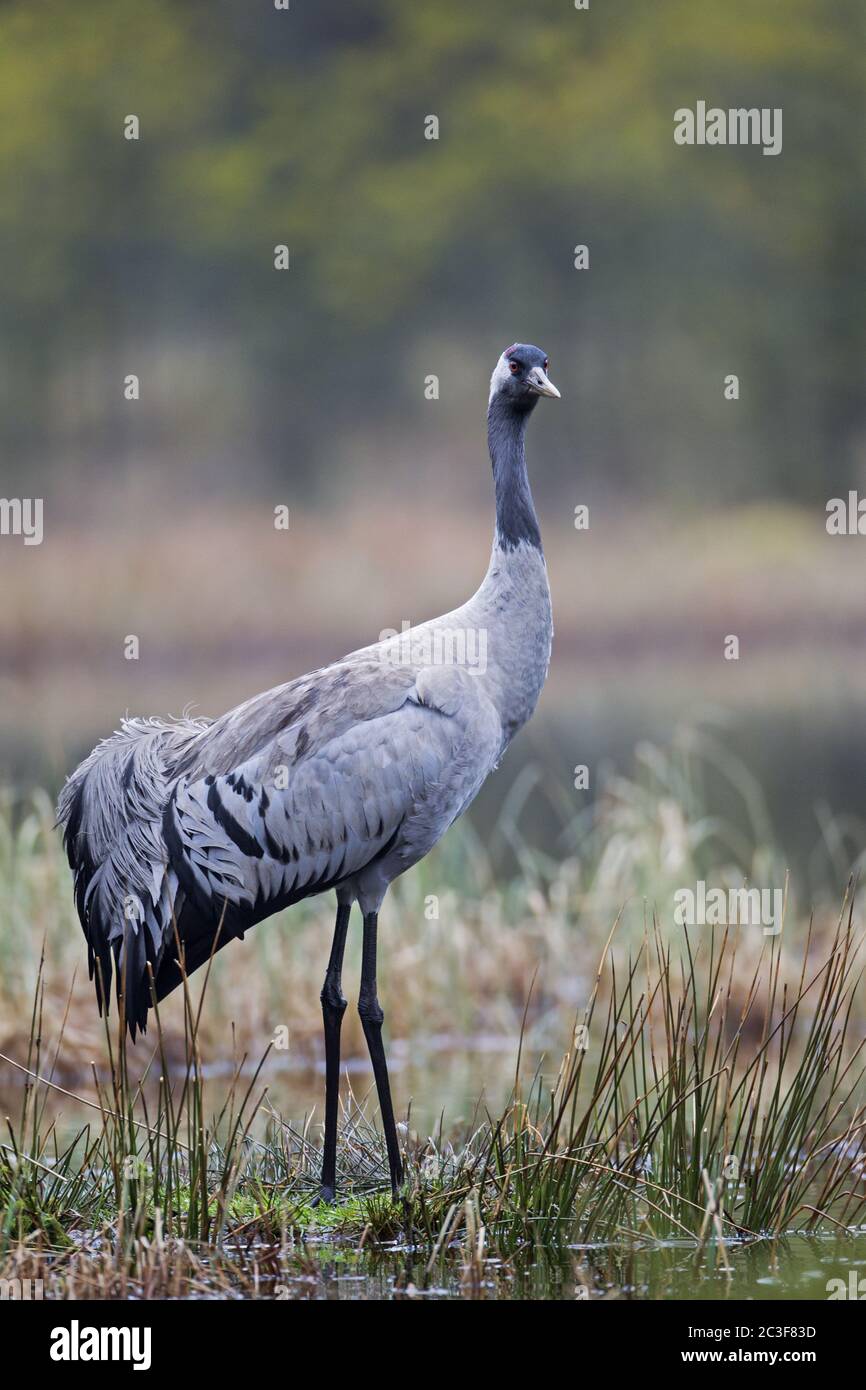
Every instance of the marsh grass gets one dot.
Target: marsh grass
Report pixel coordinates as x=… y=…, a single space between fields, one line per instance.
x=710 y=1092
x=665 y=1121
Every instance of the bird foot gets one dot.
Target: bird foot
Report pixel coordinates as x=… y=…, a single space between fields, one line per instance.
x=325 y=1197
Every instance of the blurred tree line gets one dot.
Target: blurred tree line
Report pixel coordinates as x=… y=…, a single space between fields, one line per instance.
x=412 y=256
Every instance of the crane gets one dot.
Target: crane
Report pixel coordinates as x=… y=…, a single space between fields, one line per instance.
x=182 y=834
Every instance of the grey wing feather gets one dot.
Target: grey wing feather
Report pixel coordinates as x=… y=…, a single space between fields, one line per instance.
x=205 y=828
x=111 y=811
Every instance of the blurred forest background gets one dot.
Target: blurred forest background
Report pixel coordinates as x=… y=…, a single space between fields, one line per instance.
x=412 y=257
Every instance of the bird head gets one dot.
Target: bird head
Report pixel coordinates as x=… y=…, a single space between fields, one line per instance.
x=520 y=377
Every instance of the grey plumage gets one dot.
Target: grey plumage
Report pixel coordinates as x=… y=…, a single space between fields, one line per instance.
x=197 y=829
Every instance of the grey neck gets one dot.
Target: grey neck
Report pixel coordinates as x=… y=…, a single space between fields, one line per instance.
x=516 y=520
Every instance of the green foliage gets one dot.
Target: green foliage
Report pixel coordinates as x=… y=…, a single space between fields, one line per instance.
x=261 y=127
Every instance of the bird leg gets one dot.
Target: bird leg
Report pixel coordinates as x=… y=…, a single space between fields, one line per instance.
x=333 y=1008
x=371 y=1014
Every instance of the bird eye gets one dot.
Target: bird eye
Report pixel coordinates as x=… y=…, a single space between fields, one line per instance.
x=546 y=363
x=515 y=367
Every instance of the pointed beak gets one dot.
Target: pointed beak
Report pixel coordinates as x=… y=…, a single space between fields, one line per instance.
x=540 y=382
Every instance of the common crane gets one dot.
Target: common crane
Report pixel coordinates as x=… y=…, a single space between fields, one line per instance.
x=191 y=831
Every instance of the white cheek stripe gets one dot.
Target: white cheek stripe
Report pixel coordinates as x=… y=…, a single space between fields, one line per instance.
x=500 y=374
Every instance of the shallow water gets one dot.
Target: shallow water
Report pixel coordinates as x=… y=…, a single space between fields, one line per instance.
x=438 y=1082
x=797 y=1267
